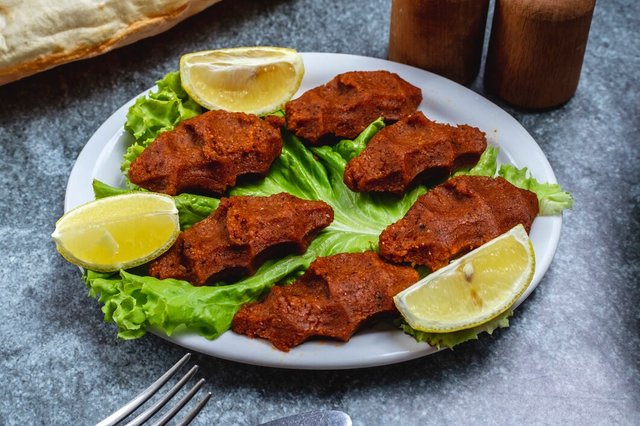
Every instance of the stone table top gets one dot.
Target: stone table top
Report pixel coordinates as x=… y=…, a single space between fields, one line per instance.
x=569 y=357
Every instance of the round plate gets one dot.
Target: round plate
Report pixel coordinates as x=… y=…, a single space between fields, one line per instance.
x=444 y=101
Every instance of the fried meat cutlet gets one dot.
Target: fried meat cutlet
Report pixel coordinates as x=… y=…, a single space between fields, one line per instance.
x=333 y=299
x=414 y=149
x=348 y=103
x=240 y=235
x=455 y=217
x=206 y=154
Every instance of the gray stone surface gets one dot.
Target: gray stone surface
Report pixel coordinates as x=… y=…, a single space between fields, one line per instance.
x=570 y=357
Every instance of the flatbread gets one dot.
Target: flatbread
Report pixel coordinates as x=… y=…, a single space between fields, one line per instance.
x=36 y=35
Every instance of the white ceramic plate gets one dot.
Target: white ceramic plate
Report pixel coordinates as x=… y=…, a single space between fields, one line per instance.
x=444 y=101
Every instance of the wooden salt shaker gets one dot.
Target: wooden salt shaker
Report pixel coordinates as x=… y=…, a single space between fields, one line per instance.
x=536 y=50
x=442 y=36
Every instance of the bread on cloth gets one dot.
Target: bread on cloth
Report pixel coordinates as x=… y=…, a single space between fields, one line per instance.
x=36 y=35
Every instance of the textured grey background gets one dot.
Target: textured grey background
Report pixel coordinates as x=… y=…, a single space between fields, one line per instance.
x=570 y=357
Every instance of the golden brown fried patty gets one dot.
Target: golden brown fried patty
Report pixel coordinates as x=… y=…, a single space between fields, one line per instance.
x=455 y=217
x=207 y=153
x=240 y=235
x=413 y=149
x=348 y=103
x=335 y=296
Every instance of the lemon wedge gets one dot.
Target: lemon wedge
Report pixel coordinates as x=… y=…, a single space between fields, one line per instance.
x=256 y=80
x=472 y=289
x=118 y=232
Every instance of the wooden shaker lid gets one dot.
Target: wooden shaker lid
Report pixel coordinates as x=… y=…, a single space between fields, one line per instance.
x=536 y=50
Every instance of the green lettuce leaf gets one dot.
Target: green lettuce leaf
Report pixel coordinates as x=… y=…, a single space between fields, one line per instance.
x=136 y=303
x=551 y=198
x=449 y=340
x=157 y=112
x=102 y=190
x=193 y=208
x=160 y=110
x=130 y=154
x=487 y=165
x=349 y=149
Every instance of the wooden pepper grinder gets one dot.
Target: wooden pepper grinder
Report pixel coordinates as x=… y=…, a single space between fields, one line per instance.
x=442 y=36
x=536 y=50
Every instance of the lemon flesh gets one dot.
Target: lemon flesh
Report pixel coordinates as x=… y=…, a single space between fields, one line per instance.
x=118 y=232
x=472 y=289
x=256 y=80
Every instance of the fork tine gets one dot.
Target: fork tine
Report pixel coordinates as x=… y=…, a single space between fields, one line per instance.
x=194 y=412
x=174 y=410
x=143 y=396
x=162 y=401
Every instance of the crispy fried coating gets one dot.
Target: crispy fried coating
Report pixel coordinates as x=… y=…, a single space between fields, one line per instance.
x=240 y=235
x=414 y=149
x=206 y=154
x=348 y=103
x=333 y=299
x=455 y=217
x=276 y=121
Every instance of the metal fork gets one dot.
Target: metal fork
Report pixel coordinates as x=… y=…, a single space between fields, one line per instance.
x=136 y=402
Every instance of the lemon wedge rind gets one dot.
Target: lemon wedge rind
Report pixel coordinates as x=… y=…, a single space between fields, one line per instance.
x=473 y=289
x=118 y=232
x=256 y=80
